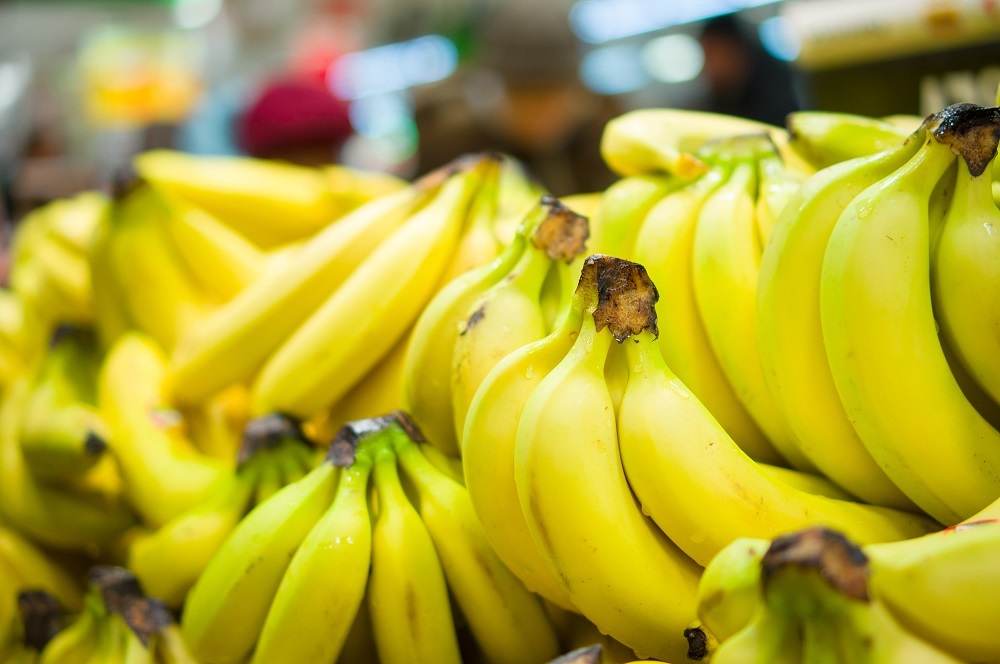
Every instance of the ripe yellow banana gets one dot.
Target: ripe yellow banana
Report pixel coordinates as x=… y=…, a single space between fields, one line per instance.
x=725 y=264
x=111 y=316
x=965 y=279
x=824 y=138
x=881 y=336
x=664 y=432
x=407 y=594
x=380 y=391
x=50 y=515
x=163 y=474
x=621 y=211
x=371 y=309
x=665 y=246
x=776 y=185
x=635 y=585
x=32 y=569
x=322 y=590
x=790 y=335
x=509 y=314
x=488 y=455
x=51 y=275
x=63 y=434
x=478 y=244
x=943 y=586
x=268 y=202
x=236 y=340
x=228 y=604
x=430 y=353
x=75 y=643
x=221 y=260
x=729 y=589
x=160 y=294
x=508 y=622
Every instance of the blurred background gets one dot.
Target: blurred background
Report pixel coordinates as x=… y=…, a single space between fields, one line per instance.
x=405 y=85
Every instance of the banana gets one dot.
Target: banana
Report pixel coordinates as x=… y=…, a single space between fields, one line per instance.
x=237 y=339
x=49 y=515
x=75 y=643
x=519 y=193
x=322 y=589
x=790 y=335
x=665 y=245
x=63 y=433
x=767 y=639
x=881 y=337
x=111 y=316
x=729 y=589
x=508 y=622
x=806 y=482
x=160 y=294
x=360 y=643
x=163 y=475
x=964 y=278
x=407 y=594
x=429 y=355
x=824 y=138
x=358 y=186
x=776 y=186
x=216 y=425
x=508 y=314
x=31 y=569
x=228 y=604
x=305 y=375
x=621 y=210
x=943 y=586
x=665 y=433
x=72 y=221
x=488 y=455
x=637 y=587
x=266 y=201
x=478 y=244
x=725 y=263
x=168 y=561
x=221 y=260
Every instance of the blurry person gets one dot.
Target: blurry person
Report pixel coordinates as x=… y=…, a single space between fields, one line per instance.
x=743 y=79
x=522 y=96
x=296 y=120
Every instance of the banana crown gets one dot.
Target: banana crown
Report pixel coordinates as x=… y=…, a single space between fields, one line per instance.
x=39 y=619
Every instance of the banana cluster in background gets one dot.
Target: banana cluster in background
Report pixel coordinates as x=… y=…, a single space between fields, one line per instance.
x=742 y=406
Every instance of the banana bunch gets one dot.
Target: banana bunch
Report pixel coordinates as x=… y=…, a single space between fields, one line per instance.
x=24 y=567
x=815 y=594
x=49 y=257
x=168 y=560
x=23 y=335
x=572 y=455
x=484 y=314
x=370 y=548
x=274 y=335
x=118 y=623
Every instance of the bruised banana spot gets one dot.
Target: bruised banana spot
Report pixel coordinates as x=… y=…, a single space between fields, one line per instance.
x=473 y=320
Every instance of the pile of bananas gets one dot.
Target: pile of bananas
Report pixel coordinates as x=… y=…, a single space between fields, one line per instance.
x=742 y=405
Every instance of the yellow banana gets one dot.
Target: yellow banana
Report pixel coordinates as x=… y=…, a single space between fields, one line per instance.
x=488 y=455
x=75 y=643
x=50 y=515
x=360 y=643
x=881 y=336
x=776 y=185
x=63 y=433
x=111 y=316
x=965 y=279
x=430 y=353
x=74 y=220
x=32 y=569
x=665 y=246
x=790 y=335
x=508 y=314
x=508 y=622
x=664 y=432
x=725 y=265
x=221 y=260
x=478 y=245
x=637 y=586
x=407 y=595
x=160 y=294
x=228 y=604
x=269 y=202
x=163 y=475
x=729 y=589
x=321 y=591
x=518 y=195
x=306 y=374
x=621 y=210
x=824 y=138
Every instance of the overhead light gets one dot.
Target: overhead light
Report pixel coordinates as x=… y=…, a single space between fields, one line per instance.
x=599 y=21
x=779 y=38
x=393 y=67
x=673 y=58
x=613 y=70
